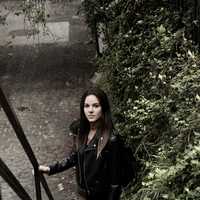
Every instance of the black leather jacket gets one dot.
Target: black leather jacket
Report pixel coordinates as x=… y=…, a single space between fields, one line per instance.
x=95 y=175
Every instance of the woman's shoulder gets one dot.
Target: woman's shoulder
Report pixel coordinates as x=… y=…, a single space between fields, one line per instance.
x=114 y=141
x=115 y=137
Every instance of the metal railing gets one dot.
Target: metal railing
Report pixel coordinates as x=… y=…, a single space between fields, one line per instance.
x=4 y=170
x=12 y=181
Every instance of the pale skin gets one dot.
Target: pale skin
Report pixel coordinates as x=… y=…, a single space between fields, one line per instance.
x=93 y=112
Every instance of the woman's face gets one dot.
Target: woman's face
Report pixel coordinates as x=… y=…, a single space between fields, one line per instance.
x=92 y=108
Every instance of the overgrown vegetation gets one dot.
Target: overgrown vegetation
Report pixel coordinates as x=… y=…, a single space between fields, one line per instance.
x=35 y=16
x=34 y=13
x=151 y=69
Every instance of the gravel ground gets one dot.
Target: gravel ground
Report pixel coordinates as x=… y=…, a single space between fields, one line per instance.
x=44 y=84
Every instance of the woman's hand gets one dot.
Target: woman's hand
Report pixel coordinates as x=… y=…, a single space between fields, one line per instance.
x=44 y=169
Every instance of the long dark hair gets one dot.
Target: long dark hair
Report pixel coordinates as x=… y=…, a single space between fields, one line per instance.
x=105 y=125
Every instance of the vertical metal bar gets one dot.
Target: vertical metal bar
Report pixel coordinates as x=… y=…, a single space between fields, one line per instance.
x=46 y=188
x=37 y=185
x=25 y=144
x=8 y=176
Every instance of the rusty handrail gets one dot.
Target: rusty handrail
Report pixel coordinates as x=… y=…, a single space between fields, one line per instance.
x=12 y=181
x=26 y=146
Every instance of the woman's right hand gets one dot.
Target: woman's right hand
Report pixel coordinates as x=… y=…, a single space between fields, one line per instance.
x=44 y=169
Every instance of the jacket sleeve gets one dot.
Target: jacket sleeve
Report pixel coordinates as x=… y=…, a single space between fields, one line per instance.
x=65 y=164
x=115 y=188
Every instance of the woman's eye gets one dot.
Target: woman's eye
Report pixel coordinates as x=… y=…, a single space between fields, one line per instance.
x=96 y=105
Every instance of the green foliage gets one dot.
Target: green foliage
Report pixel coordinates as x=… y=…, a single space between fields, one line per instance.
x=34 y=11
x=178 y=180
x=34 y=14
x=151 y=69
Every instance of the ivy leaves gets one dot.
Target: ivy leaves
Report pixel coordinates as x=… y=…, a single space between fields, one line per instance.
x=151 y=69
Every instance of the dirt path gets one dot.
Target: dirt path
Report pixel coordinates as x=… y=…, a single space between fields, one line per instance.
x=44 y=84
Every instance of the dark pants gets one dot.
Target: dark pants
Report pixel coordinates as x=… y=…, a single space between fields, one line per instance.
x=95 y=196
x=98 y=196
x=104 y=195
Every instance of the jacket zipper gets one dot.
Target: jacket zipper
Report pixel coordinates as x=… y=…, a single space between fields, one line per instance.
x=79 y=168
x=86 y=185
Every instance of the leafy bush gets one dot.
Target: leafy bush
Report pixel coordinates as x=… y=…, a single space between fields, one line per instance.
x=151 y=68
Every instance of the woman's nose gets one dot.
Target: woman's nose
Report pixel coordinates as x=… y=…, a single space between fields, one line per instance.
x=90 y=109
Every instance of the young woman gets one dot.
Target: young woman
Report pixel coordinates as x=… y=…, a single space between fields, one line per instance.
x=97 y=150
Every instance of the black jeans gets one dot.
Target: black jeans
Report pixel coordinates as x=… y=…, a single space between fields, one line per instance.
x=98 y=196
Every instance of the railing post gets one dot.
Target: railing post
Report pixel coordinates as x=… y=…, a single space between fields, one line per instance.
x=37 y=184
